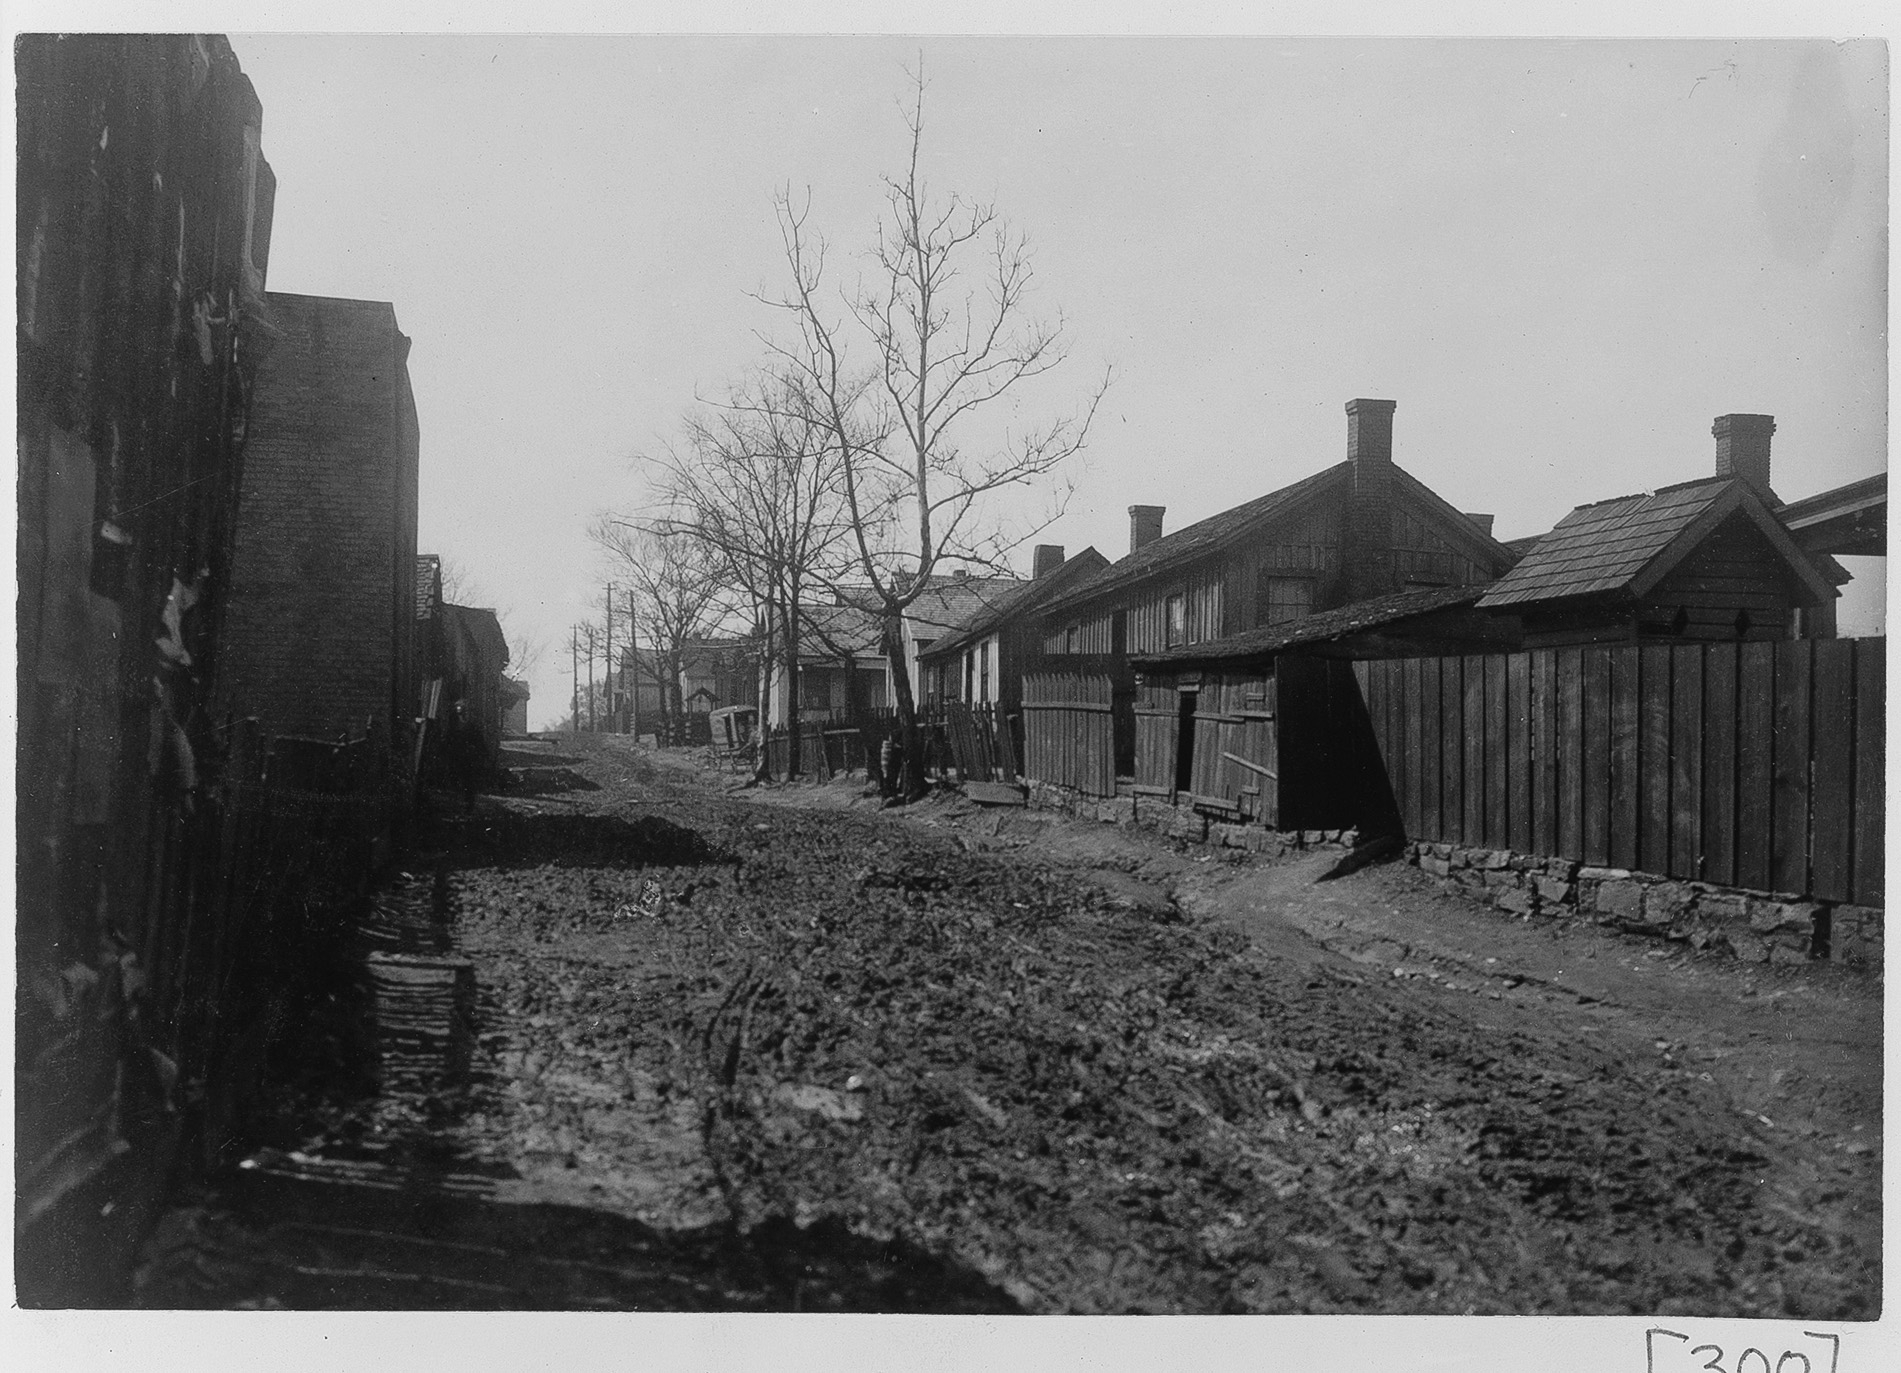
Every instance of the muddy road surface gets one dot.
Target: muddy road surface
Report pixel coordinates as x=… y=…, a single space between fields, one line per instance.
x=776 y=1050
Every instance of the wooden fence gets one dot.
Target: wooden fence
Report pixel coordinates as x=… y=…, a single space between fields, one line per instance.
x=977 y=741
x=1752 y=765
x=1069 y=730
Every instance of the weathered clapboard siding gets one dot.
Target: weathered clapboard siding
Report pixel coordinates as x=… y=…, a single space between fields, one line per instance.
x=1734 y=572
x=1425 y=553
x=1201 y=594
x=1090 y=630
x=1756 y=765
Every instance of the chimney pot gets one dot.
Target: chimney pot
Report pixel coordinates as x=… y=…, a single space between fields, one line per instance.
x=1145 y=525
x=1047 y=558
x=1742 y=447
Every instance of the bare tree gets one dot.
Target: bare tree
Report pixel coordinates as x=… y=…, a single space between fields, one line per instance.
x=942 y=312
x=674 y=596
x=759 y=485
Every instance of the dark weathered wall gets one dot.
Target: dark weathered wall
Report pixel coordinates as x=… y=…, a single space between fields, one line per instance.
x=141 y=236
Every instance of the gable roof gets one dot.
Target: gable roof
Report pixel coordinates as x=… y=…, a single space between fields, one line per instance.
x=1217 y=531
x=1205 y=536
x=481 y=631
x=1017 y=598
x=827 y=629
x=1312 y=629
x=1629 y=543
x=948 y=603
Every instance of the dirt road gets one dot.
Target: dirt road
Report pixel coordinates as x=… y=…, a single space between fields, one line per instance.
x=777 y=1050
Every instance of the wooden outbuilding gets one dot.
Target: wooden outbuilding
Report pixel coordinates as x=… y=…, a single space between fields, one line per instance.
x=1270 y=728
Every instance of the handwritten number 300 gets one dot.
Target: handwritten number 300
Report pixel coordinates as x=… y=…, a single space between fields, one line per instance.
x=1783 y=1364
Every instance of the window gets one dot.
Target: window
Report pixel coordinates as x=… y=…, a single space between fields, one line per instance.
x=1071 y=637
x=1177 y=621
x=983 y=673
x=1280 y=599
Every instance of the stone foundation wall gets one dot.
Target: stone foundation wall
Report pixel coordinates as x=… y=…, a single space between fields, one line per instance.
x=1756 y=927
x=1184 y=823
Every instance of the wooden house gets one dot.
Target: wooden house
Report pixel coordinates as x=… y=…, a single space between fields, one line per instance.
x=981 y=660
x=1709 y=560
x=1268 y=727
x=842 y=665
x=1361 y=529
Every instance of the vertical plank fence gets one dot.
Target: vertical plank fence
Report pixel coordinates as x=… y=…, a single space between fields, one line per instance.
x=1755 y=765
x=1069 y=730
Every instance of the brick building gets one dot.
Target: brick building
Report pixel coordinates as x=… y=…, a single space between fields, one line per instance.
x=321 y=622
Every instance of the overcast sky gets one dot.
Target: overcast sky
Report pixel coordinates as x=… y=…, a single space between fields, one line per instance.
x=1562 y=259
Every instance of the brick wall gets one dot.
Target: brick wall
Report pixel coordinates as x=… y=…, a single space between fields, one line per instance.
x=322 y=594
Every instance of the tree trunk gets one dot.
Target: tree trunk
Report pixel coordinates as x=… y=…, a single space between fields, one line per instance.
x=911 y=768
x=789 y=639
x=762 y=729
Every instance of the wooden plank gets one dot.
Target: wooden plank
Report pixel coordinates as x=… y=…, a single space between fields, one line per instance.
x=1871 y=774
x=1451 y=750
x=1431 y=757
x=1518 y=764
x=1570 y=753
x=1544 y=752
x=1686 y=761
x=1497 y=750
x=1755 y=744
x=1239 y=761
x=1409 y=802
x=1719 y=763
x=1832 y=775
x=1472 y=783
x=1393 y=710
x=1595 y=751
x=1653 y=761
x=1789 y=821
x=1623 y=779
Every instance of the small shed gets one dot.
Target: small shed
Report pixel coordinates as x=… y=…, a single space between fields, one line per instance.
x=1269 y=727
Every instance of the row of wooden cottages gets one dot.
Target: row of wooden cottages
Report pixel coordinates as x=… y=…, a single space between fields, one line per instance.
x=1214 y=665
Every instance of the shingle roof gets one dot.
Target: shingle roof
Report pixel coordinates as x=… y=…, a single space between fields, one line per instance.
x=1313 y=629
x=1628 y=542
x=1602 y=547
x=1206 y=535
x=1020 y=596
x=947 y=604
x=847 y=628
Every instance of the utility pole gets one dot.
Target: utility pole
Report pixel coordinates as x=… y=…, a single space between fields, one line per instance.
x=574 y=701
x=593 y=720
x=633 y=660
x=610 y=658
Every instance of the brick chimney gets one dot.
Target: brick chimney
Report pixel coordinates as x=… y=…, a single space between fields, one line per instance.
x=1048 y=557
x=1145 y=525
x=1482 y=521
x=1742 y=447
x=1367 y=551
